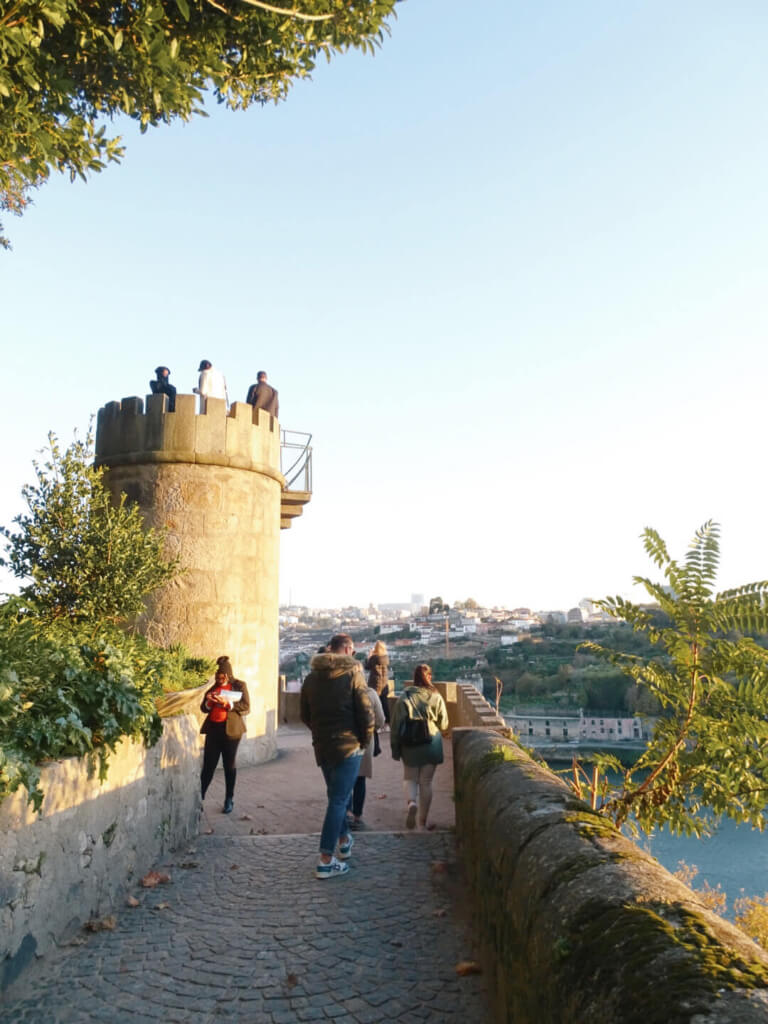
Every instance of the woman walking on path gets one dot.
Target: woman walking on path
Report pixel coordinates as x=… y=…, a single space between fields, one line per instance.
x=422 y=706
x=226 y=702
x=357 y=801
x=377 y=667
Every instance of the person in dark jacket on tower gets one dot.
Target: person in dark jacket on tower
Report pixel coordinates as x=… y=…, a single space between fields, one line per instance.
x=162 y=386
x=263 y=396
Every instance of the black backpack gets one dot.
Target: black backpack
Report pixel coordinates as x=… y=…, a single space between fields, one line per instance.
x=414 y=730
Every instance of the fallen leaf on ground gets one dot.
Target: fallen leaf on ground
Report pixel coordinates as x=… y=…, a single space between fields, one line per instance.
x=189 y=864
x=382 y=796
x=233 y=867
x=291 y=981
x=245 y=817
x=162 y=906
x=153 y=878
x=131 y=901
x=208 y=832
x=439 y=867
x=468 y=967
x=101 y=924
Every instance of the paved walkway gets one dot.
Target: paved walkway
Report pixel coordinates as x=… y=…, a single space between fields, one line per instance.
x=244 y=932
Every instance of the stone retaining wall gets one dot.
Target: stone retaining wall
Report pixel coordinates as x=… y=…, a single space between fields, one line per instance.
x=92 y=841
x=579 y=924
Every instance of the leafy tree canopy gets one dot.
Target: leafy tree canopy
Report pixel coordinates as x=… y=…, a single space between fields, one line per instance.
x=709 y=752
x=86 y=559
x=66 y=66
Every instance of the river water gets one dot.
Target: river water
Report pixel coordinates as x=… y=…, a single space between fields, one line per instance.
x=734 y=856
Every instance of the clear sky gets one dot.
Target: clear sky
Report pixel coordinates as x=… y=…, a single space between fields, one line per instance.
x=511 y=274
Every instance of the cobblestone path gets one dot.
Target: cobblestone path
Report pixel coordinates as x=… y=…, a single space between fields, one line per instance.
x=244 y=932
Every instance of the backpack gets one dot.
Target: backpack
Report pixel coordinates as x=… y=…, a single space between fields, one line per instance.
x=414 y=730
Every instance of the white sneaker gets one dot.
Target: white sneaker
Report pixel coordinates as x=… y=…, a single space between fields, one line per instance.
x=410 y=818
x=332 y=869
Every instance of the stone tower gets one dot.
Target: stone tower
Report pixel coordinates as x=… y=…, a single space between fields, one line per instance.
x=212 y=480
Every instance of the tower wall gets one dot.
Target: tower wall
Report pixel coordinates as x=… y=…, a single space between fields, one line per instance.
x=212 y=481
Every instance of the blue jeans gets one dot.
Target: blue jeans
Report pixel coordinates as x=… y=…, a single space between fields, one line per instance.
x=339 y=781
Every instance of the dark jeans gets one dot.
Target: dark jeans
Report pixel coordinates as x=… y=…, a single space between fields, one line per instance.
x=385 y=702
x=339 y=782
x=357 y=800
x=219 y=745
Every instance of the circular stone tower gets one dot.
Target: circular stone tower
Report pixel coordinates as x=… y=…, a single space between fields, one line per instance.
x=212 y=481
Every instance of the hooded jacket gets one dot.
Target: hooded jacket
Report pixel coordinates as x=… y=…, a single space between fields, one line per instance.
x=378 y=671
x=336 y=707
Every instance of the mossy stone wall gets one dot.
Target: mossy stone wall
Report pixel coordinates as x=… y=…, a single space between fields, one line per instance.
x=580 y=926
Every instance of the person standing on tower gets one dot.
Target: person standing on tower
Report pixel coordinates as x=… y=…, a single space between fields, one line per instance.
x=211 y=384
x=263 y=396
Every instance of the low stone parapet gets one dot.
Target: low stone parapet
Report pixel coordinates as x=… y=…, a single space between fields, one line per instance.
x=93 y=840
x=579 y=924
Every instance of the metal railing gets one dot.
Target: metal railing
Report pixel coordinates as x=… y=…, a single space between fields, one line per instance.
x=296 y=459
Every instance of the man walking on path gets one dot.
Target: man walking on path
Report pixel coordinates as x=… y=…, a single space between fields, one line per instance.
x=263 y=396
x=335 y=706
x=211 y=384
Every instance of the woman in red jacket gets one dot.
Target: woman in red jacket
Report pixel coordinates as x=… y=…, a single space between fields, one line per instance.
x=226 y=702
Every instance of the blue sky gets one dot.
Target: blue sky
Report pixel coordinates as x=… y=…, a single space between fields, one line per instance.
x=510 y=273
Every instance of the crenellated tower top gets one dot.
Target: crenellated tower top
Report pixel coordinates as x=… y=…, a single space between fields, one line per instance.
x=243 y=438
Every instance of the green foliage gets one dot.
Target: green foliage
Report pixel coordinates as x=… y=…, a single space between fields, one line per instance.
x=86 y=558
x=183 y=671
x=72 y=681
x=69 y=691
x=709 y=752
x=67 y=66
x=65 y=692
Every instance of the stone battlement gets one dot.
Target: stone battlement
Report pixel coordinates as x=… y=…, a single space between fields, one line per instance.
x=243 y=438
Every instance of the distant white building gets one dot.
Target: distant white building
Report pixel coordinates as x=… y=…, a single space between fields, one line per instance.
x=608 y=728
x=557 y=727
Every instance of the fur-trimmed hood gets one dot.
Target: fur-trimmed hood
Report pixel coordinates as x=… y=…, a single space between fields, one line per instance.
x=335 y=664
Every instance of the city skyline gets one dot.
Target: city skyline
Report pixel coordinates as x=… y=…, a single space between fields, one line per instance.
x=512 y=283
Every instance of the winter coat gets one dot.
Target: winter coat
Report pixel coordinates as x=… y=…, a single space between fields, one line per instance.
x=377 y=667
x=366 y=765
x=235 y=723
x=427 y=704
x=336 y=707
x=263 y=396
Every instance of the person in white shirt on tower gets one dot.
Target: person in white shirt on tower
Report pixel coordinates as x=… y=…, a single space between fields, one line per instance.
x=211 y=384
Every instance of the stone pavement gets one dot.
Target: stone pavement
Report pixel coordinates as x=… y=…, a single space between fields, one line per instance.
x=244 y=932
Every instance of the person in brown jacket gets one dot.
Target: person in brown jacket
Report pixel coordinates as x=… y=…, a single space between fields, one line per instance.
x=377 y=666
x=263 y=396
x=335 y=706
x=223 y=727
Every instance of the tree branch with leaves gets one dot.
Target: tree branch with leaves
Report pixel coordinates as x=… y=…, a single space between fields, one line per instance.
x=68 y=67
x=709 y=752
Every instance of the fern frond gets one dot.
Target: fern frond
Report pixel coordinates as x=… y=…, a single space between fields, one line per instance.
x=703 y=555
x=655 y=547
